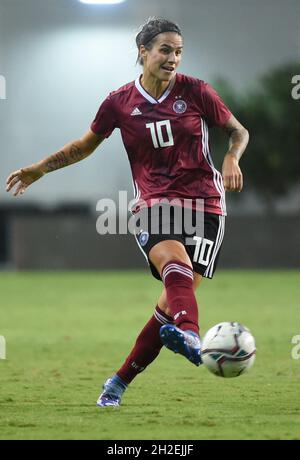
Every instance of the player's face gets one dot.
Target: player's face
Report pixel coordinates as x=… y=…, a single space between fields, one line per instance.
x=164 y=57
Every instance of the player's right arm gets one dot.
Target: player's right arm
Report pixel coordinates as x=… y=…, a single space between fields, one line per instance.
x=71 y=153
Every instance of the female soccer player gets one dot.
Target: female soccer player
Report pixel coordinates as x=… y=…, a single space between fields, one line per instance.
x=164 y=118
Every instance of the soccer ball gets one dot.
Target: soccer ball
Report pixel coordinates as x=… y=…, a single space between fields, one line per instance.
x=228 y=349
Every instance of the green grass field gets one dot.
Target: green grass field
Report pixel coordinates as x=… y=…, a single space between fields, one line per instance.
x=67 y=332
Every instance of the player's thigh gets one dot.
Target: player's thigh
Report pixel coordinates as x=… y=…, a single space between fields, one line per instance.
x=167 y=250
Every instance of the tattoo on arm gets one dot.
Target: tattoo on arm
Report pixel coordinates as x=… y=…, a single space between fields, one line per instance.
x=76 y=153
x=56 y=161
x=238 y=137
x=238 y=142
x=66 y=157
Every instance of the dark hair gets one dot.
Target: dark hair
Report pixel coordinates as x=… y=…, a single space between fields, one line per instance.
x=148 y=32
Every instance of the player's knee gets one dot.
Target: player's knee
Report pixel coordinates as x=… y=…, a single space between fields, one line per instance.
x=171 y=258
x=168 y=251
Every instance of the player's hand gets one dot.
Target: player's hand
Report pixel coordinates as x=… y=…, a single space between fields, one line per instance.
x=232 y=174
x=22 y=178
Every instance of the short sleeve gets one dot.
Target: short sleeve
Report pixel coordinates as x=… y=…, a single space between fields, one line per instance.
x=215 y=111
x=105 y=121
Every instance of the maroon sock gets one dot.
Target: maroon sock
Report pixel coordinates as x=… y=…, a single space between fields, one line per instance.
x=146 y=348
x=178 y=280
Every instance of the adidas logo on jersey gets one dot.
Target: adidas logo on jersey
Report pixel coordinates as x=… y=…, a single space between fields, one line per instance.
x=136 y=111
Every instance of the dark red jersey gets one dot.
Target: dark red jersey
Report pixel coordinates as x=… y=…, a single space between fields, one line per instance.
x=166 y=140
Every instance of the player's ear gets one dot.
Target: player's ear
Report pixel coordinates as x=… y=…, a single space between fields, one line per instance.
x=143 y=53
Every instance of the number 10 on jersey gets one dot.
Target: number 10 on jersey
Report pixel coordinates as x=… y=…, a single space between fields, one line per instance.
x=156 y=130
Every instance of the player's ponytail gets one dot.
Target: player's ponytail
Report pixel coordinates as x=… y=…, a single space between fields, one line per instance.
x=148 y=32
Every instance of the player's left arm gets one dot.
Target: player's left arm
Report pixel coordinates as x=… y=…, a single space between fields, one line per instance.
x=238 y=140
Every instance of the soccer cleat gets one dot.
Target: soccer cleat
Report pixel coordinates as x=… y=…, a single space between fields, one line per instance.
x=113 y=390
x=187 y=343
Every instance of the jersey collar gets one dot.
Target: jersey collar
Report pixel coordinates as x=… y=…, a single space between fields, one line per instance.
x=148 y=96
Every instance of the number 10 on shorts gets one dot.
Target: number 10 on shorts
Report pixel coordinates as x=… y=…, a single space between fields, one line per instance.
x=203 y=250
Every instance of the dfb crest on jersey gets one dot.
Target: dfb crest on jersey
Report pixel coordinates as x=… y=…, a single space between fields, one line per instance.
x=143 y=237
x=179 y=106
